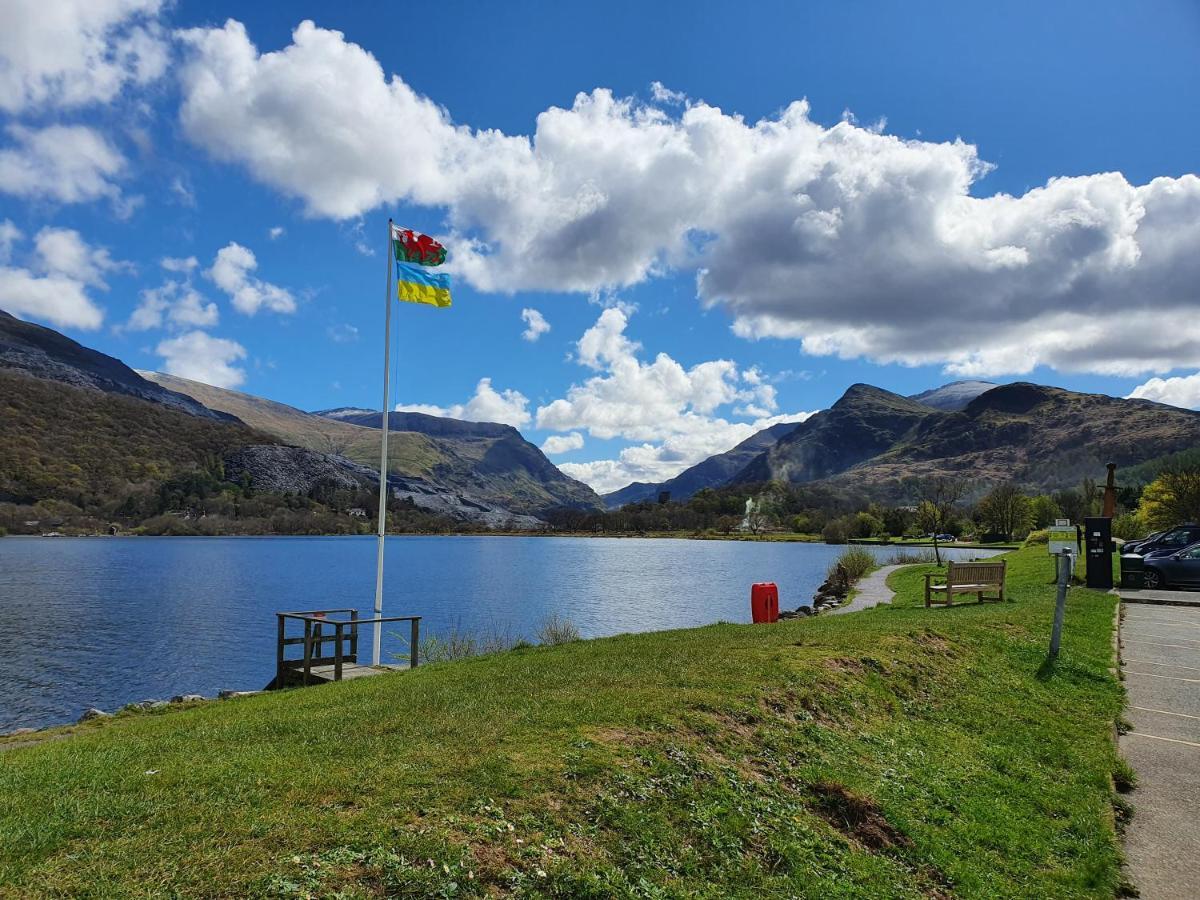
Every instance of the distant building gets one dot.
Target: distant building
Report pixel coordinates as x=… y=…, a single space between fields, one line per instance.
x=358 y=512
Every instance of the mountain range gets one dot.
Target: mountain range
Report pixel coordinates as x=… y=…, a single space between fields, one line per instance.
x=874 y=441
x=83 y=427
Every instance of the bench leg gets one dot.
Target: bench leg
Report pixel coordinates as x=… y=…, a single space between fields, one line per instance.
x=980 y=596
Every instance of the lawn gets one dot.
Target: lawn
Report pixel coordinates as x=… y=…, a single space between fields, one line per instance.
x=893 y=753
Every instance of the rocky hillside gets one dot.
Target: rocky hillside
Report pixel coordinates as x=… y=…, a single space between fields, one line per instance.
x=486 y=460
x=865 y=422
x=1043 y=437
x=471 y=471
x=712 y=472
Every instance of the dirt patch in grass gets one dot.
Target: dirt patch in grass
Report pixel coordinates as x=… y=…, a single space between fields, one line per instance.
x=856 y=816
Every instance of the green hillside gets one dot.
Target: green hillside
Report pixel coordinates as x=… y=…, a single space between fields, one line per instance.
x=900 y=752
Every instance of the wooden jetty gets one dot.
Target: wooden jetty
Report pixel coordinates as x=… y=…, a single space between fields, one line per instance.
x=339 y=627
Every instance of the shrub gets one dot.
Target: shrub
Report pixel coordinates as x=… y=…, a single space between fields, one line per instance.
x=836 y=531
x=856 y=561
x=1038 y=537
x=555 y=630
x=910 y=557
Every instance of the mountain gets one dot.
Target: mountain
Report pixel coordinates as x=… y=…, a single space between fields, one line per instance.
x=865 y=422
x=486 y=460
x=953 y=396
x=1042 y=437
x=39 y=352
x=470 y=471
x=712 y=472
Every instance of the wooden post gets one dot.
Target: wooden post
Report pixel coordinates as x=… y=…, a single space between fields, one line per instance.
x=337 y=651
x=308 y=638
x=279 y=652
x=354 y=636
x=416 y=631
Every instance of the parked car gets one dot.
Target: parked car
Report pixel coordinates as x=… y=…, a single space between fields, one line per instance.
x=1170 y=540
x=1134 y=545
x=1180 y=569
x=946 y=537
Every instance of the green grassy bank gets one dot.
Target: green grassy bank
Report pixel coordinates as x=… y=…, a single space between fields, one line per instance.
x=892 y=753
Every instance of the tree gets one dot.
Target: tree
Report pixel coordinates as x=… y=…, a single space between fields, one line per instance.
x=1044 y=511
x=1172 y=498
x=937 y=498
x=1004 y=510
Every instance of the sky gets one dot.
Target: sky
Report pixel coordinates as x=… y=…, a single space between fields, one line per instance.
x=669 y=225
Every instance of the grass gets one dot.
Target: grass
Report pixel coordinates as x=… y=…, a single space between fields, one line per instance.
x=899 y=752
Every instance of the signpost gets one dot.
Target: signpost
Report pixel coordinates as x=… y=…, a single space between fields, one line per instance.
x=1066 y=565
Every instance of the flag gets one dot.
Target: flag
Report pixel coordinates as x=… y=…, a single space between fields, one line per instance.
x=414 y=247
x=416 y=284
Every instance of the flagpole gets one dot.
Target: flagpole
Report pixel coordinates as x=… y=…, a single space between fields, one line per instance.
x=383 y=453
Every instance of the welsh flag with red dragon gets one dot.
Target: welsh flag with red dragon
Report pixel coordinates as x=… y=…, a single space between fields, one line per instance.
x=414 y=247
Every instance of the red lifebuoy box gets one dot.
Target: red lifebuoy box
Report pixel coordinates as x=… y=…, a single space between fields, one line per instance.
x=764 y=602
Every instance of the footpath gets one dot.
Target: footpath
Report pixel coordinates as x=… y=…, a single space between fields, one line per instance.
x=1160 y=656
x=872 y=591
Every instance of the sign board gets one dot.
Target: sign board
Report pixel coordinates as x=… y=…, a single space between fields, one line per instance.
x=1064 y=523
x=1062 y=538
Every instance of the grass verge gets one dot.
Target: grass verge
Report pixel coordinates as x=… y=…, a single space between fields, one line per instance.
x=893 y=753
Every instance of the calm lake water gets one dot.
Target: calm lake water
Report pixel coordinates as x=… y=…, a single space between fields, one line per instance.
x=108 y=621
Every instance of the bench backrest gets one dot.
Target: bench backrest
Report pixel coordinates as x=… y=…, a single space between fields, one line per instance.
x=975 y=572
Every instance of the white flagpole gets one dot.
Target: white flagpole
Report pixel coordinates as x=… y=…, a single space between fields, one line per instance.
x=383 y=453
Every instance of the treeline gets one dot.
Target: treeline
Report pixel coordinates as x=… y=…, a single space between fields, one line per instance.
x=951 y=506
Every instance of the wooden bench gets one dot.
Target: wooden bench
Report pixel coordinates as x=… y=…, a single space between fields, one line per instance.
x=966 y=578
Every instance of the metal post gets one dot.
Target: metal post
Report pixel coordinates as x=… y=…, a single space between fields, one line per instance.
x=383 y=453
x=416 y=634
x=1060 y=607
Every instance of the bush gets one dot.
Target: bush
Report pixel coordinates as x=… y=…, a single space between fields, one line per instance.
x=1037 y=537
x=910 y=557
x=554 y=630
x=836 y=531
x=856 y=561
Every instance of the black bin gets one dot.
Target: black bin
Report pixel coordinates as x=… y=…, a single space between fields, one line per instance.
x=1133 y=571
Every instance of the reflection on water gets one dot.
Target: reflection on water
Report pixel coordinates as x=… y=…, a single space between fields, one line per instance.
x=106 y=621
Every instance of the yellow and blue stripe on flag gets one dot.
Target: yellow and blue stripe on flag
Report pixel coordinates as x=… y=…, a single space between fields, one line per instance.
x=416 y=284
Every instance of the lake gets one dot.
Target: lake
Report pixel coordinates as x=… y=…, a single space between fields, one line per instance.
x=108 y=621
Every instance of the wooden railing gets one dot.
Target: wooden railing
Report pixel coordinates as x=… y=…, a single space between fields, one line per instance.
x=342 y=632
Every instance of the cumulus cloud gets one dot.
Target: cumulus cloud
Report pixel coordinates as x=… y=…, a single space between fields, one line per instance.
x=1182 y=390
x=70 y=53
x=670 y=409
x=231 y=271
x=508 y=407
x=53 y=284
x=535 y=324
x=562 y=443
x=174 y=304
x=275 y=232
x=852 y=241
x=204 y=358
x=67 y=163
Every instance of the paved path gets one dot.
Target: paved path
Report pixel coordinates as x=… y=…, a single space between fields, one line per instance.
x=872 y=591
x=1160 y=654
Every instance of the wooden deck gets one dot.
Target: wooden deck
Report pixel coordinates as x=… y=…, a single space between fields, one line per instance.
x=326 y=674
x=321 y=627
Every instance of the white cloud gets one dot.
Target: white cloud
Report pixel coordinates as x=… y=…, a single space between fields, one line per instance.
x=179 y=264
x=854 y=242
x=9 y=235
x=1182 y=390
x=53 y=285
x=231 y=273
x=669 y=408
x=69 y=53
x=275 y=232
x=204 y=358
x=173 y=303
x=562 y=443
x=508 y=407
x=663 y=94
x=535 y=324
x=67 y=163
x=342 y=334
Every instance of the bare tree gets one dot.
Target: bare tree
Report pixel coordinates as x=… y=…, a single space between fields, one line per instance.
x=936 y=498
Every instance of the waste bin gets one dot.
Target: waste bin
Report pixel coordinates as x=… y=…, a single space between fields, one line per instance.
x=1133 y=571
x=764 y=602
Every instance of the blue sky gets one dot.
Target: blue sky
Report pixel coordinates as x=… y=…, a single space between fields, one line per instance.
x=708 y=255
